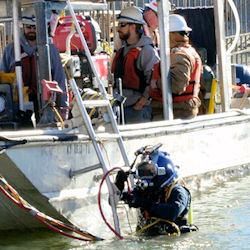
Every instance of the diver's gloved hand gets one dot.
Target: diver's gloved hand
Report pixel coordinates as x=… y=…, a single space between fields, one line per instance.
x=139 y=202
x=121 y=177
x=126 y=197
x=135 y=201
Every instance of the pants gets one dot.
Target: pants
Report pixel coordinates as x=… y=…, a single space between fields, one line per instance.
x=137 y=116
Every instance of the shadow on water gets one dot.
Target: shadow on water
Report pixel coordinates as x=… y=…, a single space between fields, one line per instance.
x=222 y=213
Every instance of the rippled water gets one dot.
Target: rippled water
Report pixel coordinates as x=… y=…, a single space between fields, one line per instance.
x=221 y=212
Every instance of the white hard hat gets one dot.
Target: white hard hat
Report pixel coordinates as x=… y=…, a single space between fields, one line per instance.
x=177 y=23
x=28 y=16
x=131 y=15
x=152 y=5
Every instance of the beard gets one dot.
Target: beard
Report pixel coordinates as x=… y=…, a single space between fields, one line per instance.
x=124 y=36
x=31 y=36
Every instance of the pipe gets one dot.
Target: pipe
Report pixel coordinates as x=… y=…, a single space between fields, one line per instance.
x=222 y=55
x=68 y=41
x=163 y=21
x=18 y=66
x=237 y=22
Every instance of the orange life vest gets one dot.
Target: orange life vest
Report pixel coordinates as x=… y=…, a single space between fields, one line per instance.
x=192 y=89
x=124 y=67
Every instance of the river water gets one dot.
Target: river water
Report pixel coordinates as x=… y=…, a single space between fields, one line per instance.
x=222 y=213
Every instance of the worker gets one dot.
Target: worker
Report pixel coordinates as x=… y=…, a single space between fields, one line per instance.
x=150 y=28
x=133 y=64
x=162 y=199
x=150 y=16
x=28 y=59
x=185 y=72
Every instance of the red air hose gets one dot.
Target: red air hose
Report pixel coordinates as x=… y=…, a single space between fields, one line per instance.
x=51 y=223
x=99 y=202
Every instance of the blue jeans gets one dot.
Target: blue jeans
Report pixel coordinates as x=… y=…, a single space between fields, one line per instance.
x=137 y=116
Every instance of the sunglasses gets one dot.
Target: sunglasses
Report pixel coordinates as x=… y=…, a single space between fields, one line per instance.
x=30 y=26
x=184 y=33
x=122 y=25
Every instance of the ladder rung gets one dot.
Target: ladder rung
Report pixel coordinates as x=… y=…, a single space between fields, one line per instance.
x=95 y=103
x=108 y=136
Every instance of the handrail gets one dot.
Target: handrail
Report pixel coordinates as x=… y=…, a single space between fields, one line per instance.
x=237 y=22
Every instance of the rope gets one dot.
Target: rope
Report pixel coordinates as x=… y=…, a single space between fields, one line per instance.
x=53 y=224
x=157 y=220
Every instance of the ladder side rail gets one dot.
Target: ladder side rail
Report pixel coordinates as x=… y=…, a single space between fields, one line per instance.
x=101 y=87
x=86 y=49
x=97 y=147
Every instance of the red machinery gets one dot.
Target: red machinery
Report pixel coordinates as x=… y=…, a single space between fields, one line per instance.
x=64 y=28
x=91 y=31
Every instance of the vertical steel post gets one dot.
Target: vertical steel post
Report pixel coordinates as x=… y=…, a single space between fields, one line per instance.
x=42 y=42
x=17 y=50
x=9 y=12
x=44 y=64
x=108 y=23
x=163 y=22
x=222 y=55
x=113 y=20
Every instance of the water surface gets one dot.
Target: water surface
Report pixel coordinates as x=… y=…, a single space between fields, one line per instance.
x=222 y=213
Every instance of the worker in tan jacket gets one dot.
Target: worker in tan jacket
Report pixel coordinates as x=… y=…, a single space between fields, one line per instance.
x=185 y=72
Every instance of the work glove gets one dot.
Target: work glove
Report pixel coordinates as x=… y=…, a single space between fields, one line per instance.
x=126 y=197
x=121 y=177
x=135 y=201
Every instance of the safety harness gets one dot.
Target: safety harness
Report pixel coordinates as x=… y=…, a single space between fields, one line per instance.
x=164 y=226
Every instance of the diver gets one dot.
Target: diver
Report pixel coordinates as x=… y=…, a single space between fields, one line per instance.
x=163 y=201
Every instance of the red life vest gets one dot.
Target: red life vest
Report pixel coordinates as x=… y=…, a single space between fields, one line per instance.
x=28 y=71
x=124 y=67
x=192 y=89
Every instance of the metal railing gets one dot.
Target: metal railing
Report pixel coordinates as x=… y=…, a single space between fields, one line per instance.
x=241 y=54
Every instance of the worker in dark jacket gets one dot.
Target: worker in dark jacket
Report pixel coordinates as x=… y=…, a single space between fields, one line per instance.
x=164 y=201
x=28 y=57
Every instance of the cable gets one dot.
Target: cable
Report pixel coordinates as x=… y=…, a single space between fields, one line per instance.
x=99 y=201
x=51 y=223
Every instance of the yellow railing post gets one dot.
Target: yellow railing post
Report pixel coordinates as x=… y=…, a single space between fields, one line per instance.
x=212 y=97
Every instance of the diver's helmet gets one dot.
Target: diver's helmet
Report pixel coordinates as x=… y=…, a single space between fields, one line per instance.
x=159 y=172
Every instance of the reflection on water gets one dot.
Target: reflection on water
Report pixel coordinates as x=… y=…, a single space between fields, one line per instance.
x=221 y=212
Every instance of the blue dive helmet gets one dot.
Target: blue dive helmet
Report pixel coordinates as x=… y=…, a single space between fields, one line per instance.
x=166 y=171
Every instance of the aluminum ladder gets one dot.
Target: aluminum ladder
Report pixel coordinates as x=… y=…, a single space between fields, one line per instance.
x=98 y=103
